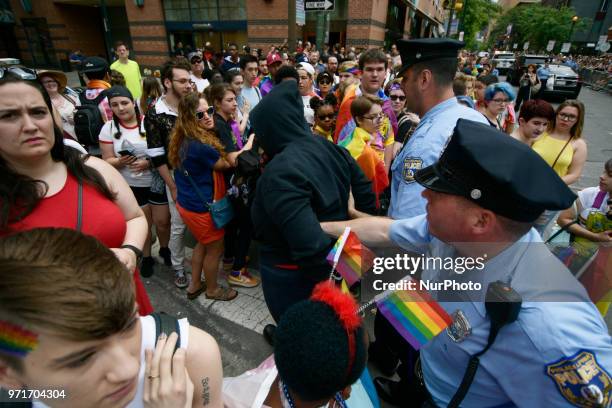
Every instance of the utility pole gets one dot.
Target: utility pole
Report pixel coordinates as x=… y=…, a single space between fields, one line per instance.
x=291 y=9
x=450 y=18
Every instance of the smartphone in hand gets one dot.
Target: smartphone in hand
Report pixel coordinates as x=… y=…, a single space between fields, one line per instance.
x=125 y=153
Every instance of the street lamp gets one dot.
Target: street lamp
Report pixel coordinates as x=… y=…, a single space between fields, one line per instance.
x=574 y=20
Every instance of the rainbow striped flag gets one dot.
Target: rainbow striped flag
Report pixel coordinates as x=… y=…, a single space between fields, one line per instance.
x=350 y=257
x=15 y=340
x=415 y=315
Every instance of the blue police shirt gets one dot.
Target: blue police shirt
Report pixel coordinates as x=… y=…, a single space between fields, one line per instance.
x=543 y=74
x=556 y=354
x=423 y=149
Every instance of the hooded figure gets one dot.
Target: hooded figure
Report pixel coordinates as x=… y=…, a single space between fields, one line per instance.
x=306 y=181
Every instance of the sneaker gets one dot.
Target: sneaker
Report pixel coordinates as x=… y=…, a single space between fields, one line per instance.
x=146 y=267
x=164 y=252
x=243 y=279
x=180 y=280
x=228 y=263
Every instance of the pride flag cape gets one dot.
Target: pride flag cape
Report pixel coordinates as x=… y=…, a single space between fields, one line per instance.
x=350 y=257
x=265 y=85
x=345 y=125
x=415 y=315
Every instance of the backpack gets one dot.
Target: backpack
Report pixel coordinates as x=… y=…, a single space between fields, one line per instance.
x=246 y=174
x=88 y=120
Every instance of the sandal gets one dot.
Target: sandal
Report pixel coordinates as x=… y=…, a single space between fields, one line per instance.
x=223 y=294
x=193 y=295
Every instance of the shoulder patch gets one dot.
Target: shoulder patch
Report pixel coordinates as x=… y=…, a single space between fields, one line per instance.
x=581 y=380
x=410 y=167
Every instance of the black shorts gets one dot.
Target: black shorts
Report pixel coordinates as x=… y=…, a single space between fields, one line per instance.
x=145 y=196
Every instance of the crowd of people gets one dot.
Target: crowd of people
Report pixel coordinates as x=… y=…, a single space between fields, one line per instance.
x=422 y=146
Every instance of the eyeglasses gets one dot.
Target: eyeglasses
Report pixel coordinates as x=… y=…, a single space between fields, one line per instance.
x=196 y=61
x=330 y=116
x=324 y=81
x=569 y=118
x=500 y=101
x=401 y=98
x=374 y=118
x=183 y=81
x=21 y=72
x=200 y=114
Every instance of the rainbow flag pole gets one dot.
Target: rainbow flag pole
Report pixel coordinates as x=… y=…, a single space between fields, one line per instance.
x=337 y=250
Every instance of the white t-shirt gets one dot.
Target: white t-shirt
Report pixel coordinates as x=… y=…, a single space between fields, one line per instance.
x=587 y=198
x=131 y=140
x=201 y=83
x=308 y=112
x=252 y=95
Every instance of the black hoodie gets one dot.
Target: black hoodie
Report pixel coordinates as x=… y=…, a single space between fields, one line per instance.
x=307 y=181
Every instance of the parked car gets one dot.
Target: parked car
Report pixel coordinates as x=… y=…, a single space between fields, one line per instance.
x=520 y=66
x=503 y=61
x=563 y=82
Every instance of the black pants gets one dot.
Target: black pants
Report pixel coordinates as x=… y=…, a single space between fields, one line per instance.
x=238 y=236
x=524 y=94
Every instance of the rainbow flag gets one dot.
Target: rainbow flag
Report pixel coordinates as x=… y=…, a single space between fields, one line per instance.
x=350 y=257
x=415 y=315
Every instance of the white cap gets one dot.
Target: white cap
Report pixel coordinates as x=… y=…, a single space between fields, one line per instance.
x=306 y=67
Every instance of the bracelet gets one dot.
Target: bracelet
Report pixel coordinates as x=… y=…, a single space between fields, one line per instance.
x=132 y=248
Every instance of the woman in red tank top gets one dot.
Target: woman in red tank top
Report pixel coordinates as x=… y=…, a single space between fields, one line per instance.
x=41 y=179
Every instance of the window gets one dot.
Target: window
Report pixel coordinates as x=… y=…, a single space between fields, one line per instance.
x=232 y=10
x=205 y=10
x=177 y=10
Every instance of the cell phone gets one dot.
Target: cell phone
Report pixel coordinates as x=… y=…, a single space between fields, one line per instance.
x=125 y=153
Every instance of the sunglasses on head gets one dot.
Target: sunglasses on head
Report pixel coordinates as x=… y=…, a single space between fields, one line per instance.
x=23 y=73
x=396 y=97
x=200 y=115
x=330 y=116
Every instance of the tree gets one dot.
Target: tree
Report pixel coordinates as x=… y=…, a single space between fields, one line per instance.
x=475 y=16
x=536 y=24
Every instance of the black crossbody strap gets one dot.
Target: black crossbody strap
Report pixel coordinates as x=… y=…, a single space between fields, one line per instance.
x=166 y=324
x=195 y=186
x=79 y=224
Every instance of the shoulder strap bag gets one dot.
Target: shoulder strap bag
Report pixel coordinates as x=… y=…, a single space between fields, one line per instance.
x=221 y=210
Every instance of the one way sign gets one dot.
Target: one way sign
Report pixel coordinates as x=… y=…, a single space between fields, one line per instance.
x=326 y=5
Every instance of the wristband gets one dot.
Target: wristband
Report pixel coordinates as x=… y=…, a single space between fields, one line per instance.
x=137 y=251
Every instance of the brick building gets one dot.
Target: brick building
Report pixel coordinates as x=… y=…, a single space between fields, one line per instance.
x=43 y=33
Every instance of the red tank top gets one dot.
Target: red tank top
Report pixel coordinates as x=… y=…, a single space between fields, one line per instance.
x=101 y=218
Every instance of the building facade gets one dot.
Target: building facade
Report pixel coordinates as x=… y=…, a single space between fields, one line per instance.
x=42 y=33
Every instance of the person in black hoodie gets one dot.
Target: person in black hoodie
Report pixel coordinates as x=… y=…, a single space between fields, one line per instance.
x=306 y=180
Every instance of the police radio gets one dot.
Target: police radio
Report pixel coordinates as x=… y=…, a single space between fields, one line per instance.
x=503 y=305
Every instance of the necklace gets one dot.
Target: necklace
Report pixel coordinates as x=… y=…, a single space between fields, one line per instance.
x=288 y=402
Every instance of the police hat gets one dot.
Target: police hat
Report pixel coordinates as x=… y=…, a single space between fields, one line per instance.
x=426 y=49
x=94 y=64
x=496 y=172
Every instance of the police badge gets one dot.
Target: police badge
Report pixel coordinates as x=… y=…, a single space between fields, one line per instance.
x=581 y=380
x=460 y=328
x=411 y=166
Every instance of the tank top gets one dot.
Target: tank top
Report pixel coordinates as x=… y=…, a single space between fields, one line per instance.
x=147 y=342
x=101 y=217
x=549 y=148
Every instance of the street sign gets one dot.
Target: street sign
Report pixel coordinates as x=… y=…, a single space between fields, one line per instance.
x=514 y=46
x=326 y=5
x=526 y=46
x=604 y=47
x=550 y=46
x=300 y=14
x=461 y=34
x=566 y=47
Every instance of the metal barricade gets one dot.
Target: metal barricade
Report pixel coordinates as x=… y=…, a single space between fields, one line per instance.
x=596 y=80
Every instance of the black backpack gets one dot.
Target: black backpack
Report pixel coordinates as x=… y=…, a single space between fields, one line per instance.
x=88 y=120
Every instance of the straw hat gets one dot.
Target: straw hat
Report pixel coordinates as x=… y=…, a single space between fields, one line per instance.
x=58 y=76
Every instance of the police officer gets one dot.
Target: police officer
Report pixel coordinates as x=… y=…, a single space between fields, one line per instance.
x=557 y=352
x=428 y=70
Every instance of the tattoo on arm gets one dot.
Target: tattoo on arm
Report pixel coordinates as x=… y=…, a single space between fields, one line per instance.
x=205 y=391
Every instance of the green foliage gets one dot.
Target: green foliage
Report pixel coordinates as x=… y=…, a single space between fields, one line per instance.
x=537 y=24
x=474 y=17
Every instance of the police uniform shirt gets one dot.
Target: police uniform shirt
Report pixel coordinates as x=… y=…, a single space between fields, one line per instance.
x=423 y=149
x=557 y=354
